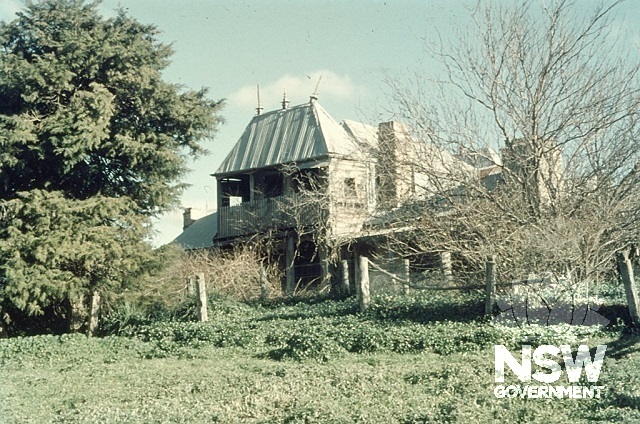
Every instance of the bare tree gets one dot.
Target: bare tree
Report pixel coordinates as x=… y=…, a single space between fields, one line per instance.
x=536 y=115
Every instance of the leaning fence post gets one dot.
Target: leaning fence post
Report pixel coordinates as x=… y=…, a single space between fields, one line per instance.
x=626 y=273
x=491 y=282
x=264 y=294
x=201 y=288
x=364 y=296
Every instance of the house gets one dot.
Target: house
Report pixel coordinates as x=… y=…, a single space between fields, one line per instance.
x=320 y=192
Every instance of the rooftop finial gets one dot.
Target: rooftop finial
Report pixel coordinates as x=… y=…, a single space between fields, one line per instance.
x=259 y=108
x=314 y=95
x=285 y=102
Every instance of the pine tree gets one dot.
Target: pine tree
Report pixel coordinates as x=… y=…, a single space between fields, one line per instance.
x=93 y=142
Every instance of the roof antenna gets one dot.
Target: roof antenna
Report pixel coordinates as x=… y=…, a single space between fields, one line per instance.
x=285 y=102
x=259 y=108
x=314 y=96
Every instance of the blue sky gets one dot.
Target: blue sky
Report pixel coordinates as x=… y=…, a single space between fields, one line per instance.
x=230 y=46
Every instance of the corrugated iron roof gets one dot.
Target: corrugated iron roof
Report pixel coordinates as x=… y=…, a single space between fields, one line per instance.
x=293 y=135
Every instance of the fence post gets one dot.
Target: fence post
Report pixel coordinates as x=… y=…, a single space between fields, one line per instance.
x=446 y=267
x=77 y=313
x=94 y=312
x=626 y=273
x=491 y=282
x=191 y=285
x=344 y=282
x=290 y=271
x=201 y=288
x=364 y=296
x=264 y=294
x=407 y=275
x=324 y=264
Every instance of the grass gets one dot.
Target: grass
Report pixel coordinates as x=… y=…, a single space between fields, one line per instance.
x=319 y=361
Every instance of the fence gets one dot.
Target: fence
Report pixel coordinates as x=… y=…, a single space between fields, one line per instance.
x=552 y=308
x=394 y=275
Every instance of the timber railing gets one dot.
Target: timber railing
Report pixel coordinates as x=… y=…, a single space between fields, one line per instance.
x=272 y=213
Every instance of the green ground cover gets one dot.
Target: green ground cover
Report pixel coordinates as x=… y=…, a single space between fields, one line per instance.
x=420 y=359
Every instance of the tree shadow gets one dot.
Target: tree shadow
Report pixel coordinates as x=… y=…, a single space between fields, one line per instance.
x=627 y=344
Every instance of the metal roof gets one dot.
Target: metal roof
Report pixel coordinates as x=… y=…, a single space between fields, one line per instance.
x=199 y=234
x=297 y=134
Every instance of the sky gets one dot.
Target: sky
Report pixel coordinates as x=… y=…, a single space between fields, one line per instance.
x=285 y=46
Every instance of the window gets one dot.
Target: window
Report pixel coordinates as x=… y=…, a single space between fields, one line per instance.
x=349 y=188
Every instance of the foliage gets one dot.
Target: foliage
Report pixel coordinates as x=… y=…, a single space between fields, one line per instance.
x=92 y=143
x=151 y=375
x=53 y=249
x=327 y=330
x=86 y=111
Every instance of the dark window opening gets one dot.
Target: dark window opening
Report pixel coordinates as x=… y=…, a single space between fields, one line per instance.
x=234 y=190
x=267 y=185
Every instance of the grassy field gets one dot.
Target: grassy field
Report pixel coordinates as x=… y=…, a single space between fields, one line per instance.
x=407 y=361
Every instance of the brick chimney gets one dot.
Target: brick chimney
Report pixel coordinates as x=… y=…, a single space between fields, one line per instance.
x=186 y=219
x=393 y=170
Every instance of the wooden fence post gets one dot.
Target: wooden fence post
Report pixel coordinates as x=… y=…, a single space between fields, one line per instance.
x=626 y=273
x=491 y=282
x=201 y=288
x=94 y=313
x=76 y=314
x=191 y=285
x=344 y=281
x=406 y=265
x=290 y=261
x=364 y=296
x=264 y=294
x=446 y=267
x=325 y=282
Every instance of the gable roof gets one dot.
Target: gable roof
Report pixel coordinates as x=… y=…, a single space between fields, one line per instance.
x=199 y=234
x=298 y=134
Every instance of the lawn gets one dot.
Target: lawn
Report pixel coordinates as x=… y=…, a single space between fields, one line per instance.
x=310 y=362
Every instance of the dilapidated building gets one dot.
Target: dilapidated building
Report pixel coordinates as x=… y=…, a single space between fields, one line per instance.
x=320 y=191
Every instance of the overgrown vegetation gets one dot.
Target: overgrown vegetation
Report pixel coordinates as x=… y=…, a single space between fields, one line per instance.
x=420 y=358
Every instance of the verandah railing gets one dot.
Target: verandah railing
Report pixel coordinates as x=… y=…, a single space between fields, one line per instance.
x=261 y=215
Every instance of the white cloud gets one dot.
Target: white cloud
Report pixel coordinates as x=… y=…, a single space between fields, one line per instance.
x=298 y=88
